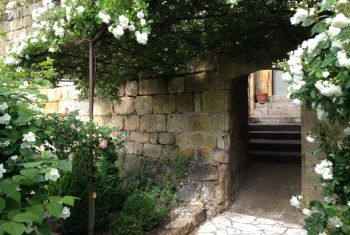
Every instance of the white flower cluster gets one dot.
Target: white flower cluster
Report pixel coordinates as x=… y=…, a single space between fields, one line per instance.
x=335 y=222
x=295 y=201
x=53 y=175
x=2 y=170
x=299 y=16
x=65 y=213
x=343 y=60
x=328 y=89
x=126 y=24
x=324 y=169
x=5 y=119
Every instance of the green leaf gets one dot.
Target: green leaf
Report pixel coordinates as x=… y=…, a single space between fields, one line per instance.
x=65 y=165
x=7 y=186
x=44 y=229
x=23 y=118
x=54 y=209
x=2 y=204
x=69 y=200
x=15 y=196
x=30 y=173
x=13 y=228
x=32 y=164
x=27 y=217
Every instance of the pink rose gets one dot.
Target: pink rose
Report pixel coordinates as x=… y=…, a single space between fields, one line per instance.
x=103 y=144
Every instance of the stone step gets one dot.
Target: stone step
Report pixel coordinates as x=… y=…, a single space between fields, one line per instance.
x=275 y=127
x=275 y=146
x=275 y=156
x=277 y=112
x=277 y=135
x=276 y=105
x=274 y=142
x=275 y=120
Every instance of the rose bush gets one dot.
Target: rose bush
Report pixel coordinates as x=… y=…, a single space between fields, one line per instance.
x=27 y=161
x=318 y=75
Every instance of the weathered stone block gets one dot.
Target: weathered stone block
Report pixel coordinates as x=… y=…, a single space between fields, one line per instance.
x=176 y=85
x=27 y=21
x=152 y=151
x=126 y=106
x=176 y=123
x=163 y=104
x=217 y=121
x=121 y=90
x=221 y=156
x=102 y=108
x=143 y=105
x=183 y=140
x=152 y=87
x=51 y=107
x=131 y=88
x=132 y=122
x=203 y=140
x=72 y=105
x=200 y=171
x=153 y=123
x=224 y=142
x=54 y=94
x=198 y=122
x=153 y=138
x=115 y=121
x=197 y=102
x=166 y=138
x=215 y=101
x=139 y=137
x=133 y=148
x=185 y=103
x=99 y=120
x=70 y=93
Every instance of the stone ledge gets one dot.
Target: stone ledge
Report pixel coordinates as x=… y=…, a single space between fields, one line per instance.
x=184 y=220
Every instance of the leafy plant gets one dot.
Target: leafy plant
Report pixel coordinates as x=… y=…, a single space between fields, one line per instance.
x=80 y=136
x=318 y=75
x=28 y=163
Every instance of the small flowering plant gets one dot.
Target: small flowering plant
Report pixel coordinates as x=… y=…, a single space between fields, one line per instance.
x=27 y=163
x=318 y=76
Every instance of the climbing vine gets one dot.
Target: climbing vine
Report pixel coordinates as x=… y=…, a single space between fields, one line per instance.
x=318 y=76
x=176 y=32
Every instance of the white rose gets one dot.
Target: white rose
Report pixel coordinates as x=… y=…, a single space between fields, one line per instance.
x=29 y=137
x=294 y=201
x=65 y=213
x=2 y=170
x=53 y=175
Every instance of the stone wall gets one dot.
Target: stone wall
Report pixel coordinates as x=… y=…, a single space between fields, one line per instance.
x=19 y=21
x=190 y=114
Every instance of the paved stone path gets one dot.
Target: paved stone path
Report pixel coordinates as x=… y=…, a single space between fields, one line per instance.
x=230 y=223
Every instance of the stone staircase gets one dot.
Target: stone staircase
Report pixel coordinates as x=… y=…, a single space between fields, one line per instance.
x=279 y=142
x=276 y=110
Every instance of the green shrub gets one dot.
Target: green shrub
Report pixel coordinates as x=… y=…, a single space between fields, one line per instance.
x=127 y=225
x=108 y=186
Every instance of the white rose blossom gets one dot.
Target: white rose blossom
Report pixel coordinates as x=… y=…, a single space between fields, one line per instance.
x=29 y=137
x=324 y=169
x=300 y=16
x=53 y=175
x=2 y=170
x=65 y=213
x=3 y=106
x=5 y=119
x=141 y=38
x=295 y=202
x=335 y=221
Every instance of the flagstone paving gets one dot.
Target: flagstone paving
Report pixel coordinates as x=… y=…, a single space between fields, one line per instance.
x=231 y=223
